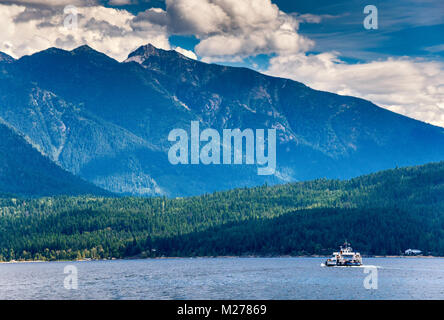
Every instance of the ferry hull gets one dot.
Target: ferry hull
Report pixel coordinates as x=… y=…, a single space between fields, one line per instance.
x=345 y=264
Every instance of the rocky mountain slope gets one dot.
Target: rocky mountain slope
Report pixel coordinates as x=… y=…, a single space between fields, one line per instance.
x=108 y=122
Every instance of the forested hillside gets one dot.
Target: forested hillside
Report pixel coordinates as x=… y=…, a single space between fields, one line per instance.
x=382 y=213
x=25 y=171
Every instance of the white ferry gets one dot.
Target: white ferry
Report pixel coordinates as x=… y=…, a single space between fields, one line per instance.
x=345 y=257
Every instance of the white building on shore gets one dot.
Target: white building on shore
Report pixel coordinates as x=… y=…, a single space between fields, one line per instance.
x=412 y=252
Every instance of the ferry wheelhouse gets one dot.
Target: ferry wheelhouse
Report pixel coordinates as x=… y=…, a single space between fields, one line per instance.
x=346 y=257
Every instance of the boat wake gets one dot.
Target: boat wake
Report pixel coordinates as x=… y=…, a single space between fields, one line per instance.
x=361 y=266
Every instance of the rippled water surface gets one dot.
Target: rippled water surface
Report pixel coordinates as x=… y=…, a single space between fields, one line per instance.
x=224 y=278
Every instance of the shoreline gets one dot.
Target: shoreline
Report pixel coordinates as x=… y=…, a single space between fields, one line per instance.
x=222 y=257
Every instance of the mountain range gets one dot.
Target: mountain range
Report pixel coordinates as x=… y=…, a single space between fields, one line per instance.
x=107 y=122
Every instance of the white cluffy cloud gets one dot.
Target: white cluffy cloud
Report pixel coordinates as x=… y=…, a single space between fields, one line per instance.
x=231 y=29
x=407 y=86
x=26 y=30
x=187 y=53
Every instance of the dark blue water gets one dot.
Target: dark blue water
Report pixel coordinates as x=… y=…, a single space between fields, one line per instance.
x=224 y=278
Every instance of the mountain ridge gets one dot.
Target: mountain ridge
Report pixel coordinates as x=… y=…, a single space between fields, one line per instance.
x=5 y=58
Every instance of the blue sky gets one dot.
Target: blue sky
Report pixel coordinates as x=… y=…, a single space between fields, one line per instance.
x=406 y=28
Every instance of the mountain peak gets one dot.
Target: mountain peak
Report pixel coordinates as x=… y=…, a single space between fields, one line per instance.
x=6 y=58
x=147 y=49
x=141 y=54
x=84 y=48
x=86 y=52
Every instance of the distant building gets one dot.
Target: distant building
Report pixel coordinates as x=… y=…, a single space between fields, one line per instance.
x=412 y=252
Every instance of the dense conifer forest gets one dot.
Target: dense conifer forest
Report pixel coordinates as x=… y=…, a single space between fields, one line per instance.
x=383 y=213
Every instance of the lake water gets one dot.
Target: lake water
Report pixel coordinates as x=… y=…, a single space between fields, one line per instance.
x=224 y=278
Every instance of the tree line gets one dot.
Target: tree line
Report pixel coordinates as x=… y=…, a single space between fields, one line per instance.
x=382 y=213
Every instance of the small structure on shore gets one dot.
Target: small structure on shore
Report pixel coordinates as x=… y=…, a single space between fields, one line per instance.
x=412 y=252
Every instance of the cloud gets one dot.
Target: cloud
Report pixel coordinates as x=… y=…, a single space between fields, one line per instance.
x=230 y=29
x=52 y=3
x=155 y=16
x=401 y=13
x=187 y=53
x=119 y=2
x=26 y=30
x=313 y=18
x=33 y=13
x=411 y=87
x=436 y=48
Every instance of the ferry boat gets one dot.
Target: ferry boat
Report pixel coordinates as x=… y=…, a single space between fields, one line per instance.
x=345 y=257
